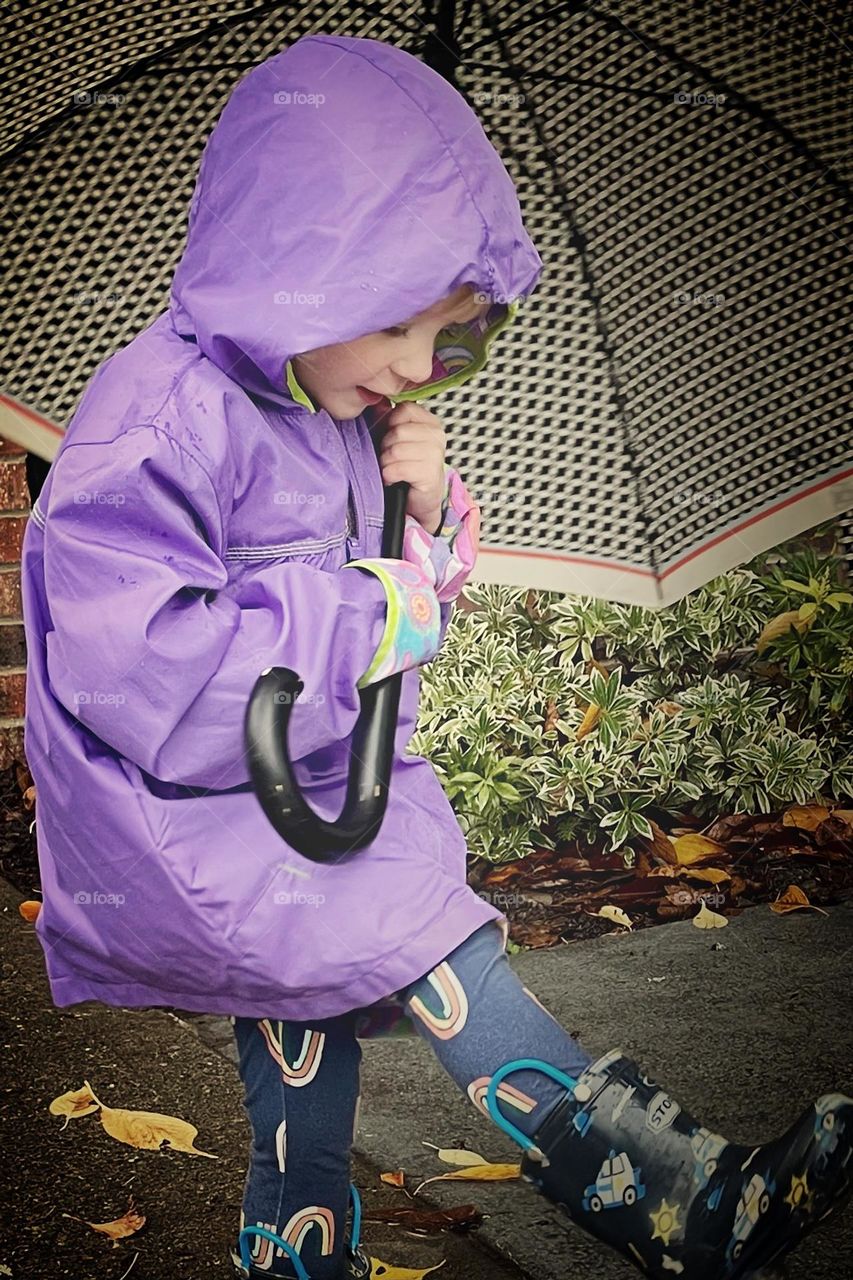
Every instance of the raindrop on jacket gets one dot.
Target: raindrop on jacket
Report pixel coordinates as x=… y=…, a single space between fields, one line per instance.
x=169 y=560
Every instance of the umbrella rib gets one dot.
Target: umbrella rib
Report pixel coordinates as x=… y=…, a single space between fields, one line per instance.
x=664 y=52
x=570 y=8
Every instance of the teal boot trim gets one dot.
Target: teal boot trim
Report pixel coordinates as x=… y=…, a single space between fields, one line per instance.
x=518 y=1064
x=246 y=1257
x=352 y=1256
x=356 y=1216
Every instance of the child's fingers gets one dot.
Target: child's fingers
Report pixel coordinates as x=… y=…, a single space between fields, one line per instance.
x=411 y=451
x=409 y=411
x=429 y=436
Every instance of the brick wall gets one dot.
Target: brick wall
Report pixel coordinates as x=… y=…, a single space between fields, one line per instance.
x=14 y=509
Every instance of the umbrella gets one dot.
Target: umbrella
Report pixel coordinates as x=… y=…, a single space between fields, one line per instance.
x=675 y=402
x=675 y=396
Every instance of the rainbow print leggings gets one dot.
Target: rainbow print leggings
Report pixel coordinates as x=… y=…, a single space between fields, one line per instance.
x=301 y=1085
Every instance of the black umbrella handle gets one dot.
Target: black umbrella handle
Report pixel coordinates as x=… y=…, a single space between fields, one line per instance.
x=265 y=734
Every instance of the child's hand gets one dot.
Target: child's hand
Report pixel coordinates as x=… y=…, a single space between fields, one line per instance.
x=413 y=449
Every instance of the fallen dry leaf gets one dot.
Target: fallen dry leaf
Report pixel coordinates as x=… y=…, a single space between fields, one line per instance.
x=805 y=817
x=661 y=845
x=712 y=875
x=696 y=848
x=397 y=1179
x=462 y=1217
x=387 y=1272
x=456 y=1155
x=29 y=797
x=690 y=894
x=148 y=1130
x=476 y=1173
x=499 y=875
x=793 y=899
x=706 y=919
x=29 y=909
x=120 y=1228
x=77 y=1102
x=616 y=914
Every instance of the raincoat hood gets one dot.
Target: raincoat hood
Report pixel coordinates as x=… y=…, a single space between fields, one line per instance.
x=346 y=187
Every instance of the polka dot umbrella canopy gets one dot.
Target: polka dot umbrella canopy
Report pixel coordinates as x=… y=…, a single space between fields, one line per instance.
x=671 y=400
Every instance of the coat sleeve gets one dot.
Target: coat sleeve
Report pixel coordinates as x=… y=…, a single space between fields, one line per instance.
x=150 y=650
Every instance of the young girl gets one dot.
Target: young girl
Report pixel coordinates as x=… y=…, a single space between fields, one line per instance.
x=216 y=508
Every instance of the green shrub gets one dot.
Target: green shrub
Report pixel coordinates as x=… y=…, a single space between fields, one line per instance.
x=736 y=699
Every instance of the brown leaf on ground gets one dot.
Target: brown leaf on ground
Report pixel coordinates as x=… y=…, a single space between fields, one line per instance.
x=834 y=834
x=696 y=848
x=76 y=1102
x=793 y=899
x=661 y=846
x=507 y=871
x=681 y=900
x=740 y=827
x=120 y=1228
x=23 y=777
x=642 y=865
x=149 y=1130
x=29 y=910
x=388 y=1271
x=707 y=919
x=806 y=817
x=712 y=875
x=461 y=1217
x=476 y=1173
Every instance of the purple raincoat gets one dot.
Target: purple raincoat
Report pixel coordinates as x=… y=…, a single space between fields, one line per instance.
x=190 y=534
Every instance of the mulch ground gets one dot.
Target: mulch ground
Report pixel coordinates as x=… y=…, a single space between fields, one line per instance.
x=797 y=859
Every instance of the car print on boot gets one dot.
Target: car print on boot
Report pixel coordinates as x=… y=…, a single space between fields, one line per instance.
x=710 y=1209
x=754 y=1201
x=706 y=1147
x=618 y=1183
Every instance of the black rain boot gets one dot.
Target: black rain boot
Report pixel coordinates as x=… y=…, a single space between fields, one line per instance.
x=356 y=1264
x=627 y=1164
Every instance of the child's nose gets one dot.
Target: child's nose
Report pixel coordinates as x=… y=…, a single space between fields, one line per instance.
x=415 y=365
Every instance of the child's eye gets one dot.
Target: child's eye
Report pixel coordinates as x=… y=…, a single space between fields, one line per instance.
x=398 y=331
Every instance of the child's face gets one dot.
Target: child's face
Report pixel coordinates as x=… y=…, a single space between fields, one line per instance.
x=386 y=362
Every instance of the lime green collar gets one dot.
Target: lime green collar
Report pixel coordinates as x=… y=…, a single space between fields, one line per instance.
x=460 y=351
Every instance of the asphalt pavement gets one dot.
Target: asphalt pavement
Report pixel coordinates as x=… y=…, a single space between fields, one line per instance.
x=744 y=1026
